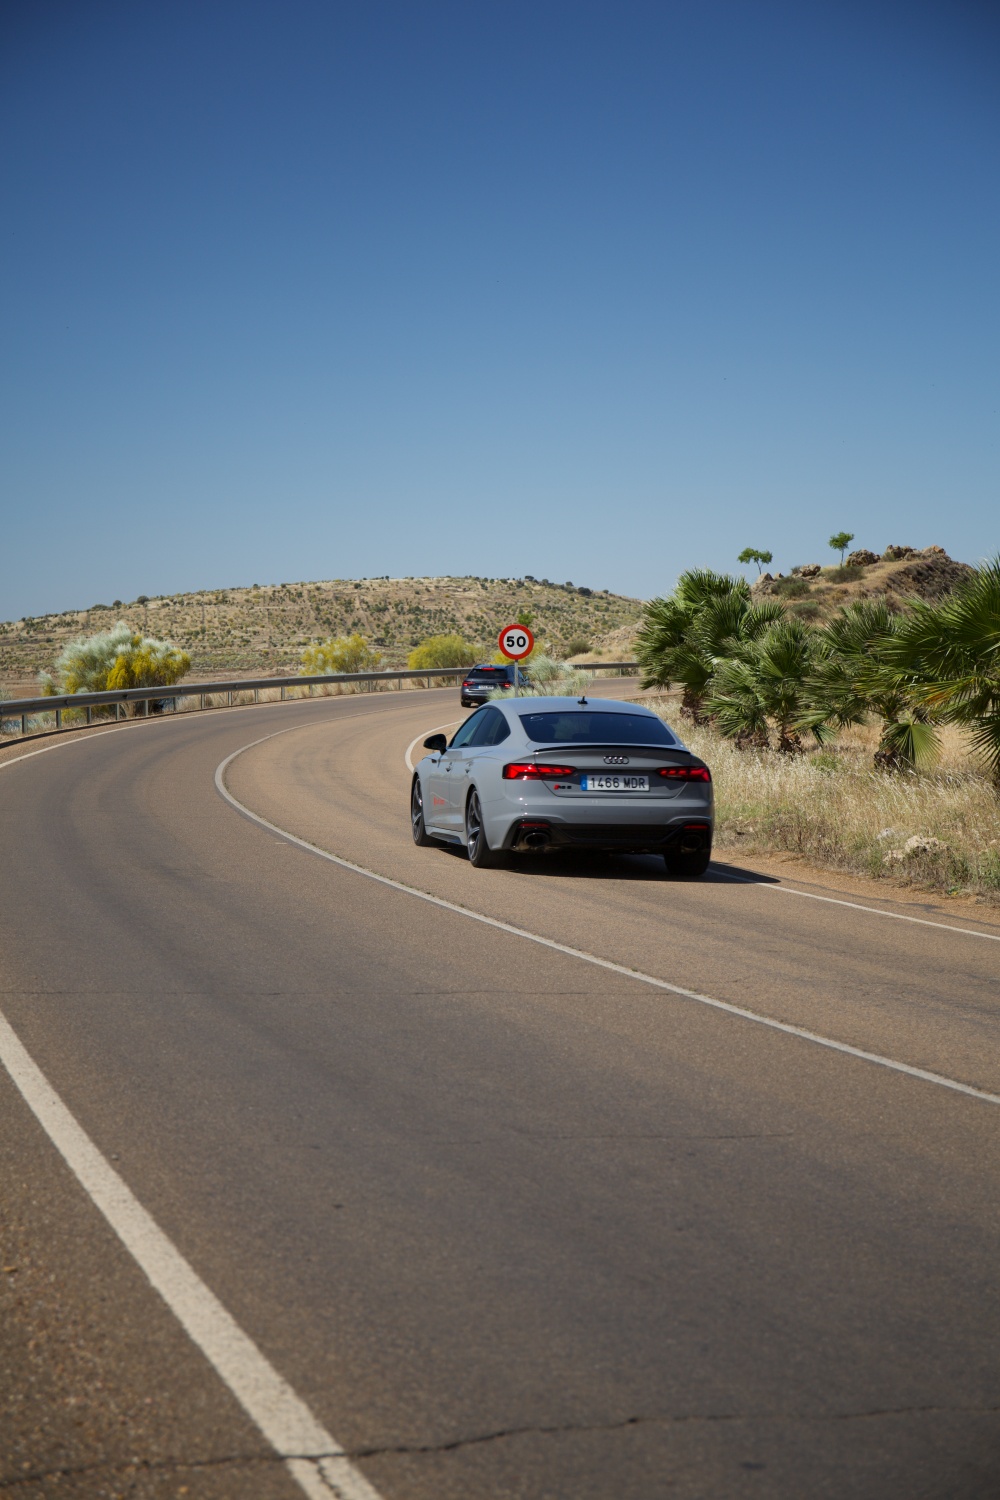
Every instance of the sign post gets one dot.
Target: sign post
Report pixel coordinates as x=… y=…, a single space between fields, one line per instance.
x=516 y=642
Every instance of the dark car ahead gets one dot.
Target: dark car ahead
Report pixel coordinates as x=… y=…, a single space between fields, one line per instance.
x=486 y=678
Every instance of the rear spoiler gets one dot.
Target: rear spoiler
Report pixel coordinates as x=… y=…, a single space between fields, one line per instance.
x=618 y=748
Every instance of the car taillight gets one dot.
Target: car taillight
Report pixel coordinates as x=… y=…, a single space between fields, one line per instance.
x=532 y=771
x=686 y=773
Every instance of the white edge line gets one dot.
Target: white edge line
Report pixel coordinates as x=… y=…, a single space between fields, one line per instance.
x=313 y=1457
x=424 y=733
x=592 y=958
x=875 y=911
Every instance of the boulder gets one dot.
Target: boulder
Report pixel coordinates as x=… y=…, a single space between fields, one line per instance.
x=894 y=554
x=811 y=570
x=923 y=844
x=862 y=558
x=918 y=844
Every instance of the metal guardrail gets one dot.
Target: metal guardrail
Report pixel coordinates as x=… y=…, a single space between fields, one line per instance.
x=59 y=703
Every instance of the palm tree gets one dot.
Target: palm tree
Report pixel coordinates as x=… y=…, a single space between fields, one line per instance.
x=953 y=650
x=855 y=677
x=683 y=637
x=767 y=681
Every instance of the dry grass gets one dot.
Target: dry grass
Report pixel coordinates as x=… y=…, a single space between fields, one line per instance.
x=833 y=807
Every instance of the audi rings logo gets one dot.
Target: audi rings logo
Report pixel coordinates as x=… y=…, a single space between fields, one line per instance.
x=616 y=760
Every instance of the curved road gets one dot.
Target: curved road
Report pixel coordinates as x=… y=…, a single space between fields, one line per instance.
x=637 y=1189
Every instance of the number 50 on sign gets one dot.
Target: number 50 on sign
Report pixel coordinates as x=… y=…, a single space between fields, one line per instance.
x=516 y=642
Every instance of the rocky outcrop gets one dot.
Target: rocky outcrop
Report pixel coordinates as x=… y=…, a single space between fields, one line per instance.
x=811 y=570
x=931 y=574
x=862 y=558
x=895 y=554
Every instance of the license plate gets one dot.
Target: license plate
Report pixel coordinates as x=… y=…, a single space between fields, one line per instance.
x=617 y=782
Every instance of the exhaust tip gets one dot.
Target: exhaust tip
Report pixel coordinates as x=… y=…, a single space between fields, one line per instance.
x=533 y=836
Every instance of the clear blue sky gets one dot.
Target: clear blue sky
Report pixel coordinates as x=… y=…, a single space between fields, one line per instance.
x=592 y=291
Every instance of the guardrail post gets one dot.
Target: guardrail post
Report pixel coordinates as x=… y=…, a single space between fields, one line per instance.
x=58 y=718
x=256 y=695
x=24 y=723
x=282 y=692
x=90 y=714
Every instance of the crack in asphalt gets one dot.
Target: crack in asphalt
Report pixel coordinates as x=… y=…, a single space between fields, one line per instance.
x=695 y=1418
x=269 y=1457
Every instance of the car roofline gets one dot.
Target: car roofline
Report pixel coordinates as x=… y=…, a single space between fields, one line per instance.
x=603 y=705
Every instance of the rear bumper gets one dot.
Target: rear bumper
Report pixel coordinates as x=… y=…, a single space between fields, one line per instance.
x=691 y=834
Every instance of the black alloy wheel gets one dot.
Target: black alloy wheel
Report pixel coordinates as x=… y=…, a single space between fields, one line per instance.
x=481 y=856
x=421 y=837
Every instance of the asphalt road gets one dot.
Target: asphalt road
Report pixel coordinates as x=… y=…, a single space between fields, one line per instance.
x=510 y=1223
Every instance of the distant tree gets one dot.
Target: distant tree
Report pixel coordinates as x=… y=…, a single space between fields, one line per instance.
x=752 y=555
x=578 y=646
x=840 y=541
x=441 y=651
x=525 y=617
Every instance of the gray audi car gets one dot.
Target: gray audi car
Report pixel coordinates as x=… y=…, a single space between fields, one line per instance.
x=528 y=774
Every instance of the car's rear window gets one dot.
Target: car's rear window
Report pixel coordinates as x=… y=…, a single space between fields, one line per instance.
x=578 y=727
x=483 y=674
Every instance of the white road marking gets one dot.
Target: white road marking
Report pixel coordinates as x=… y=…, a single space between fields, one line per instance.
x=313 y=1457
x=424 y=734
x=591 y=958
x=875 y=911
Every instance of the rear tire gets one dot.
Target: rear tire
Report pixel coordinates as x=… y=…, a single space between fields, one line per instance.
x=481 y=856
x=421 y=837
x=687 y=866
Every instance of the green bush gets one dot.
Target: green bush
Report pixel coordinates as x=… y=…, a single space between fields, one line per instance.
x=441 y=651
x=791 y=588
x=339 y=654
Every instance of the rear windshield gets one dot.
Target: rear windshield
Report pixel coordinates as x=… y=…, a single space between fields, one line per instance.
x=486 y=672
x=578 y=727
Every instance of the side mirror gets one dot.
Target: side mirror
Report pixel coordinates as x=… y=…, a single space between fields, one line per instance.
x=437 y=742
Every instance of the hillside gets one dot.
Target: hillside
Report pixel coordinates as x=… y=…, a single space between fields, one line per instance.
x=899 y=576
x=263 y=629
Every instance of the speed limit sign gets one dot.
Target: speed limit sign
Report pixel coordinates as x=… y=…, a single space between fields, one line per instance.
x=516 y=642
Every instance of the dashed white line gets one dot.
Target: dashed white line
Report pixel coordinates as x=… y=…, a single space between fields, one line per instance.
x=893 y=1064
